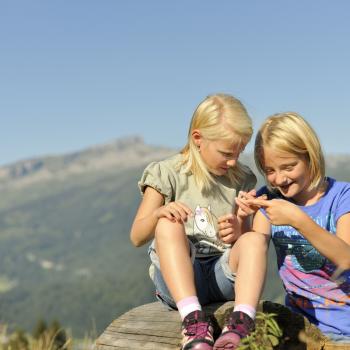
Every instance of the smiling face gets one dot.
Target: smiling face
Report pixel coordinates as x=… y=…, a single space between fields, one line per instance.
x=289 y=174
x=219 y=155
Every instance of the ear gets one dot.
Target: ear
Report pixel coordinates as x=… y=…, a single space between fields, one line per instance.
x=196 y=137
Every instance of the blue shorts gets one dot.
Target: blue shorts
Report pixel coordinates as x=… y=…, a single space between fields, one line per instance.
x=214 y=280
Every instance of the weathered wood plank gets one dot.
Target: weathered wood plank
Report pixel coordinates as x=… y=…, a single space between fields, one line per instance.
x=153 y=327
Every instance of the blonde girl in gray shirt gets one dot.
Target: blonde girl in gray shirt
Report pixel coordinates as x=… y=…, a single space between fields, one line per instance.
x=202 y=250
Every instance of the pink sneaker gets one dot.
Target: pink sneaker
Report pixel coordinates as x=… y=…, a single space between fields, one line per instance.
x=237 y=326
x=197 y=332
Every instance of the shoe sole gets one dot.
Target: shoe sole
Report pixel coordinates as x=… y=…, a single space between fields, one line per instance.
x=227 y=344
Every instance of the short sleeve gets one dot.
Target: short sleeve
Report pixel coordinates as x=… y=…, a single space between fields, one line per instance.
x=343 y=206
x=157 y=176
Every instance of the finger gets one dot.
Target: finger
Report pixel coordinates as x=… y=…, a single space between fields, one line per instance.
x=242 y=204
x=185 y=208
x=168 y=215
x=259 y=202
x=225 y=232
x=241 y=194
x=182 y=212
x=176 y=217
x=174 y=212
x=224 y=218
x=245 y=206
x=248 y=211
x=225 y=225
x=252 y=192
x=229 y=238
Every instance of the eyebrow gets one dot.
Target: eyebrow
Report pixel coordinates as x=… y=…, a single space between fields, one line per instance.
x=283 y=165
x=238 y=149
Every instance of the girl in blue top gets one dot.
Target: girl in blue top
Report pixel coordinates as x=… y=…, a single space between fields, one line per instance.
x=308 y=217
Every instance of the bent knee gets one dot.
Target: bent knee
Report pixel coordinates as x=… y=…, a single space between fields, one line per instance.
x=166 y=228
x=254 y=239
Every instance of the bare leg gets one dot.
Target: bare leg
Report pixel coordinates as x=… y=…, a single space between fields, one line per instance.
x=174 y=255
x=248 y=258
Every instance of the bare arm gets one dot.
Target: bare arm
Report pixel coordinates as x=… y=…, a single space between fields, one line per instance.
x=262 y=225
x=150 y=210
x=142 y=229
x=336 y=247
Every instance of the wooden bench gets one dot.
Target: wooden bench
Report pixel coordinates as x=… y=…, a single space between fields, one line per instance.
x=153 y=327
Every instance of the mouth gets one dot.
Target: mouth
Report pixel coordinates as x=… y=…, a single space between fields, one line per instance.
x=223 y=170
x=285 y=188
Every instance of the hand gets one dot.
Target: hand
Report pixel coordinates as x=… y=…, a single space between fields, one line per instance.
x=229 y=228
x=245 y=208
x=280 y=211
x=174 y=211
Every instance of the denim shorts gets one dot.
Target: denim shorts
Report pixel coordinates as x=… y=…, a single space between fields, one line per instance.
x=214 y=280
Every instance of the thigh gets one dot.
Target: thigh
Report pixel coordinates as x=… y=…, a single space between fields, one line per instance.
x=161 y=290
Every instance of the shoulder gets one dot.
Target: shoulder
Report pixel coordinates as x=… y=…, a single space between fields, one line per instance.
x=337 y=186
x=160 y=175
x=338 y=189
x=165 y=165
x=338 y=197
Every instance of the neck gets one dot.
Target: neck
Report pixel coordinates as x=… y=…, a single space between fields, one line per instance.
x=312 y=196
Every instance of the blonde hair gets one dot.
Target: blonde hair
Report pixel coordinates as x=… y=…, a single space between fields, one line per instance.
x=290 y=132
x=218 y=117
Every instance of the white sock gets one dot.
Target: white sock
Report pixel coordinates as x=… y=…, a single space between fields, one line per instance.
x=247 y=309
x=187 y=305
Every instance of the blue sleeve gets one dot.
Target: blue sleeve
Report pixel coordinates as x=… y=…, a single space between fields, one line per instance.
x=261 y=191
x=343 y=206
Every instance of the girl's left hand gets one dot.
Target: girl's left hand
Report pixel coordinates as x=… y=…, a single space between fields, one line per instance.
x=279 y=211
x=229 y=228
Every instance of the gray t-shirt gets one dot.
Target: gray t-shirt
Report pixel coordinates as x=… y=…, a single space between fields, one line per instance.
x=175 y=185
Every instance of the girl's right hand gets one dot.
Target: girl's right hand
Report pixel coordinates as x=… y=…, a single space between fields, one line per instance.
x=245 y=207
x=174 y=211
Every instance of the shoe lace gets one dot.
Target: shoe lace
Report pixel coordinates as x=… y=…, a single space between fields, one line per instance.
x=197 y=329
x=238 y=325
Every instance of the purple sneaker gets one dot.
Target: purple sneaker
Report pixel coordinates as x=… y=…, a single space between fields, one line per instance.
x=237 y=326
x=197 y=332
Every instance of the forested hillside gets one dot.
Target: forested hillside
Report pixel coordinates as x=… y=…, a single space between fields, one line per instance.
x=65 y=252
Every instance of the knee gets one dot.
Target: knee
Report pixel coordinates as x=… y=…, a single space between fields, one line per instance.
x=167 y=229
x=253 y=240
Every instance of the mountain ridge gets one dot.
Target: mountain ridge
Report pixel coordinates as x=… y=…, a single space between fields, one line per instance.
x=65 y=251
x=123 y=152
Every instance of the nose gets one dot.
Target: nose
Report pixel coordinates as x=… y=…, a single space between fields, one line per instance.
x=280 y=179
x=232 y=162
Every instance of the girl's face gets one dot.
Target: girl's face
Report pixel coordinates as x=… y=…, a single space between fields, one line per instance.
x=288 y=173
x=219 y=155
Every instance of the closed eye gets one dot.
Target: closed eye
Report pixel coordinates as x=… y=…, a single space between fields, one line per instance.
x=227 y=155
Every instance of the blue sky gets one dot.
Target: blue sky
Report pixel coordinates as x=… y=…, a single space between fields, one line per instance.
x=77 y=73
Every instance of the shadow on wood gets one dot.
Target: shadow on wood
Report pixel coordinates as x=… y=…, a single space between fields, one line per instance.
x=152 y=326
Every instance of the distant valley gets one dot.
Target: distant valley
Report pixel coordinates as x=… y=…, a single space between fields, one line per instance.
x=65 y=252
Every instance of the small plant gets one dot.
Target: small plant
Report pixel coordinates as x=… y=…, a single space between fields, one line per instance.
x=46 y=340
x=266 y=336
